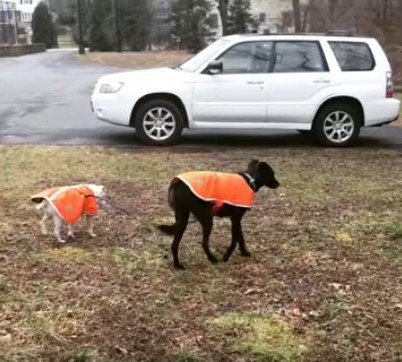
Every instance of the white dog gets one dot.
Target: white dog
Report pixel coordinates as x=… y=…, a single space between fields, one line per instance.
x=67 y=205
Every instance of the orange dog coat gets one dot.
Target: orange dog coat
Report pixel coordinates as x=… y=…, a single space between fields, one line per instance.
x=219 y=187
x=70 y=202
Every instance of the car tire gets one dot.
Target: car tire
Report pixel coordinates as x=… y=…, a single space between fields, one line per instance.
x=159 y=122
x=337 y=125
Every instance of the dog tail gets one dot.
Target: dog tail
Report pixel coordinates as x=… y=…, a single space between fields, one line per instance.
x=41 y=205
x=167 y=229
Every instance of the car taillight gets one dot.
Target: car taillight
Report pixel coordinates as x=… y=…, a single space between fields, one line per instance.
x=390 y=85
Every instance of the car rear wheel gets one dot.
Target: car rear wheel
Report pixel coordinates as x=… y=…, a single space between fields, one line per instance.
x=159 y=122
x=337 y=125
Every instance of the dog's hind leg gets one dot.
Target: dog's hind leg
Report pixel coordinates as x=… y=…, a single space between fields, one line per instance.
x=180 y=227
x=236 y=235
x=70 y=232
x=90 y=222
x=43 y=227
x=57 y=228
x=46 y=216
x=205 y=216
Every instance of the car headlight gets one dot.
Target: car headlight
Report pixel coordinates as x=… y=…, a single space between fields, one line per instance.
x=111 y=87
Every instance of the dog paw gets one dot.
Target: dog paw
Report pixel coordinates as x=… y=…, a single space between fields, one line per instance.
x=71 y=236
x=61 y=241
x=245 y=253
x=92 y=235
x=213 y=259
x=179 y=267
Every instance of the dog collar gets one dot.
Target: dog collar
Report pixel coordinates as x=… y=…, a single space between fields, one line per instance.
x=252 y=181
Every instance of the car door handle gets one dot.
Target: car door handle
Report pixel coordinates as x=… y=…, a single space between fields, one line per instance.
x=322 y=81
x=255 y=82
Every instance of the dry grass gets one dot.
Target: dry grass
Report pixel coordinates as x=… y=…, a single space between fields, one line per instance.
x=139 y=60
x=323 y=284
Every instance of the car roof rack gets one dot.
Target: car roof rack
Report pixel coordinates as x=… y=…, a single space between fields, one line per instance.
x=335 y=32
x=341 y=32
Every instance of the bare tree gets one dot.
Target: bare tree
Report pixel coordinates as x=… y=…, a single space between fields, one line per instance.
x=297 y=16
x=223 y=7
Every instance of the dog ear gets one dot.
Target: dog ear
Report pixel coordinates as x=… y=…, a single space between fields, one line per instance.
x=252 y=164
x=263 y=166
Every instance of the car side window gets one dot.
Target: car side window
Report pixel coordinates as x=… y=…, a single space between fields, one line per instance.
x=250 y=57
x=298 y=56
x=353 y=56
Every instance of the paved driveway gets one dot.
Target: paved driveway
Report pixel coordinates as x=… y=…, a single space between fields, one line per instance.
x=44 y=99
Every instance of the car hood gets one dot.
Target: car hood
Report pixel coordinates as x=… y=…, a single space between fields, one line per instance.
x=149 y=75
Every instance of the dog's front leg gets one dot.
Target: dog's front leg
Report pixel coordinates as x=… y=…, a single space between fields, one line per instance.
x=90 y=223
x=206 y=217
x=242 y=244
x=236 y=236
x=57 y=228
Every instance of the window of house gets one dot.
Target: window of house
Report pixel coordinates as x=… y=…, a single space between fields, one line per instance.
x=353 y=56
x=262 y=17
x=250 y=57
x=298 y=56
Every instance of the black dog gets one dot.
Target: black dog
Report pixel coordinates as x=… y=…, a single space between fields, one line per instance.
x=183 y=201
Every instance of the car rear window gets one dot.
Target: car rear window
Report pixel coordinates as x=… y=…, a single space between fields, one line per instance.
x=353 y=56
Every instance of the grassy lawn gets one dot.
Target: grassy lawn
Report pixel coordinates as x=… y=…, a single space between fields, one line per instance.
x=138 y=60
x=323 y=282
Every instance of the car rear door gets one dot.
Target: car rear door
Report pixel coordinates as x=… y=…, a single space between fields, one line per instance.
x=299 y=71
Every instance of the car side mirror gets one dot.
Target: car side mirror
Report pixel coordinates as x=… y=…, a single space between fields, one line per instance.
x=215 y=67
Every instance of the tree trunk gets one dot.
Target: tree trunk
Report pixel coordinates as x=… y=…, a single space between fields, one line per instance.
x=297 y=16
x=223 y=7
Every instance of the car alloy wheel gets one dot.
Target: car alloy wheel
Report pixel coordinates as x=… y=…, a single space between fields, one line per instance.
x=159 y=124
x=339 y=127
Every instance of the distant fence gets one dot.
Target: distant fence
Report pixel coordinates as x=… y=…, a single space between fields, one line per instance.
x=18 y=50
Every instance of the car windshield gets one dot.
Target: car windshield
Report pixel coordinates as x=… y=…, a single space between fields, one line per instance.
x=203 y=56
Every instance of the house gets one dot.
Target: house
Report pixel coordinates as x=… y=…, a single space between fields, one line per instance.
x=26 y=9
x=9 y=19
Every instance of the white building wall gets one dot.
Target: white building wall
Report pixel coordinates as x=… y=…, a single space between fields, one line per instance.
x=26 y=7
x=272 y=11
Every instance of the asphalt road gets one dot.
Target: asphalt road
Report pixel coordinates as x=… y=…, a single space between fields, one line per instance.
x=44 y=99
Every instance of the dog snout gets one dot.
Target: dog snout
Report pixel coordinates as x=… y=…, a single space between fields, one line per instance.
x=275 y=184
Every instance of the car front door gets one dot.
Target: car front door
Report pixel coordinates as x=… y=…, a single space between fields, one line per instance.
x=238 y=93
x=298 y=73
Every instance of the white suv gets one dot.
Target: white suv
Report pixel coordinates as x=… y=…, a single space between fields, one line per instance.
x=329 y=86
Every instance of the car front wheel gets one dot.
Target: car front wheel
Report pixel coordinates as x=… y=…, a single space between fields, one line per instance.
x=159 y=122
x=337 y=125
